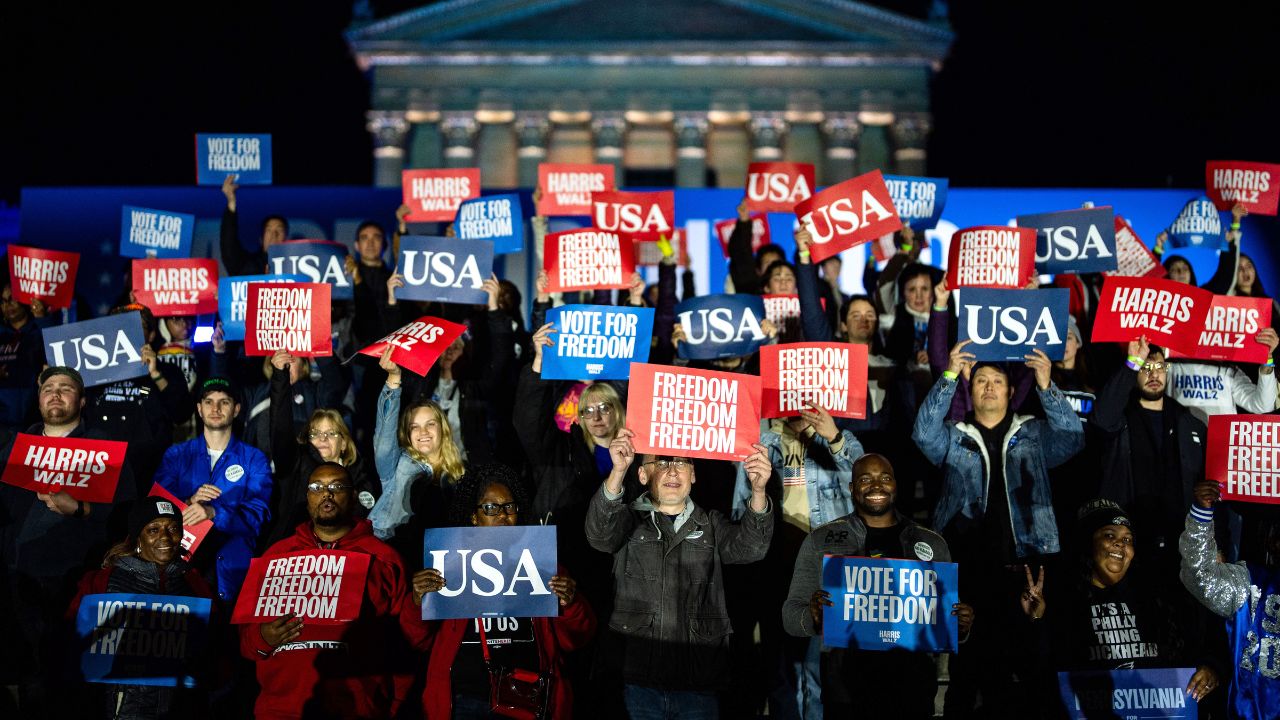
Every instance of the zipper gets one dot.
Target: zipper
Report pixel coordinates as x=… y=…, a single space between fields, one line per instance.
x=968 y=430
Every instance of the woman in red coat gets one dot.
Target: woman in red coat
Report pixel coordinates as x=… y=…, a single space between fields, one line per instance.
x=457 y=684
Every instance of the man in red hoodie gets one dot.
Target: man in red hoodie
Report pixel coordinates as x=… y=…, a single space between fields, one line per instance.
x=359 y=669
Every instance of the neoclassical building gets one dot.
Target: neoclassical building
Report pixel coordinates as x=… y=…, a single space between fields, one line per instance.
x=672 y=92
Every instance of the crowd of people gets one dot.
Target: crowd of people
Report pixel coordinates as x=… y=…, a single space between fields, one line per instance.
x=1071 y=493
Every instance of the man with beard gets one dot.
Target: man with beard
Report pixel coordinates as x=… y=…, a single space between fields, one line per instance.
x=879 y=684
x=222 y=479
x=1152 y=450
x=353 y=669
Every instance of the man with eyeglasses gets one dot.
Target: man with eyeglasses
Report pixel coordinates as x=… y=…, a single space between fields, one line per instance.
x=1152 y=450
x=223 y=479
x=360 y=668
x=670 y=626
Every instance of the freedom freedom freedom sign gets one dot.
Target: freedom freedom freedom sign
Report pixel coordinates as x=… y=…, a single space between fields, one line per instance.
x=991 y=256
x=323 y=587
x=596 y=342
x=882 y=604
x=1243 y=456
x=132 y=639
x=1007 y=325
x=295 y=317
x=1147 y=694
x=233 y=300
x=247 y=157
x=491 y=572
x=588 y=259
x=693 y=413
x=102 y=350
x=832 y=376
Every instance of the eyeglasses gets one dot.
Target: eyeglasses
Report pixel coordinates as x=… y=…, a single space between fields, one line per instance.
x=599 y=409
x=332 y=488
x=1155 y=366
x=495 y=509
x=326 y=435
x=665 y=466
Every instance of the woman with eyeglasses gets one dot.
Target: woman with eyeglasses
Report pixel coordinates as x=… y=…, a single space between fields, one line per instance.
x=458 y=679
x=324 y=438
x=417 y=458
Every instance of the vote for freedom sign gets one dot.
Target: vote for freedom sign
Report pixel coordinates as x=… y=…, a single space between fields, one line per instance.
x=247 y=157
x=233 y=300
x=1254 y=185
x=567 y=188
x=45 y=275
x=103 y=350
x=918 y=200
x=87 y=470
x=991 y=256
x=418 y=345
x=491 y=572
x=288 y=316
x=187 y=286
x=882 y=604
x=146 y=233
x=693 y=413
x=588 y=259
x=323 y=587
x=851 y=213
x=1146 y=694
x=778 y=186
x=1243 y=457
x=594 y=342
x=134 y=639
x=1006 y=325
x=796 y=376
x=1168 y=313
x=718 y=326
x=496 y=218
x=444 y=269
x=1074 y=241
x=434 y=195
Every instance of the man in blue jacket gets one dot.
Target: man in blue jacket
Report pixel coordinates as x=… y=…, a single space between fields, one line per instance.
x=995 y=510
x=222 y=479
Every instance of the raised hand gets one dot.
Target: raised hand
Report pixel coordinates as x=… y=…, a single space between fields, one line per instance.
x=821 y=422
x=1042 y=366
x=1032 y=598
x=959 y=361
x=389 y=367
x=229 y=188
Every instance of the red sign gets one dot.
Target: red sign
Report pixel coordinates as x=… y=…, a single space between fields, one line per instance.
x=1169 y=313
x=419 y=344
x=1254 y=185
x=782 y=308
x=188 y=286
x=648 y=253
x=288 y=316
x=87 y=470
x=637 y=215
x=192 y=535
x=567 y=188
x=47 y=275
x=832 y=376
x=693 y=413
x=1230 y=329
x=1243 y=455
x=434 y=195
x=991 y=256
x=851 y=213
x=884 y=247
x=588 y=259
x=1133 y=259
x=778 y=186
x=759 y=232
x=322 y=587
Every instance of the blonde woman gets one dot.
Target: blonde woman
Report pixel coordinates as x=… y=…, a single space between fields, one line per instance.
x=411 y=447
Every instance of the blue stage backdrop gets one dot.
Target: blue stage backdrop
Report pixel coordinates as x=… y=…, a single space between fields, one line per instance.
x=87 y=220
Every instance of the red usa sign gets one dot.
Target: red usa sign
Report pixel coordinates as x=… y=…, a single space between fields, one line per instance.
x=434 y=195
x=637 y=215
x=567 y=188
x=778 y=186
x=87 y=470
x=851 y=213
x=759 y=232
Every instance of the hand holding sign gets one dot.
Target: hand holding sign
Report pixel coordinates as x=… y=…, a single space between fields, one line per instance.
x=1041 y=365
x=427 y=580
x=281 y=630
x=1206 y=494
x=758 y=470
x=960 y=361
x=60 y=502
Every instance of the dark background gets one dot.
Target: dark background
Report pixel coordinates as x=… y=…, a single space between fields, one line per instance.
x=1083 y=93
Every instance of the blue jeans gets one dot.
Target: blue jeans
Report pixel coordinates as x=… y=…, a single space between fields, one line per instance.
x=646 y=703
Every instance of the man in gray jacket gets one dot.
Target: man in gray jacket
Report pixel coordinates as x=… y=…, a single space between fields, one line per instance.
x=669 y=621
x=904 y=682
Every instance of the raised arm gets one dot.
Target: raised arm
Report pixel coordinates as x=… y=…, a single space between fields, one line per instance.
x=742 y=264
x=817 y=328
x=1220 y=586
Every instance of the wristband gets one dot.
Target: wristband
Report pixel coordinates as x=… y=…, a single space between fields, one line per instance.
x=1271 y=362
x=939 y=309
x=664 y=245
x=1200 y=514
x=157 y=377
x=906 y=248
x=950 y=375
x=1134 y=363
x=1235 y=226
x=803 y=254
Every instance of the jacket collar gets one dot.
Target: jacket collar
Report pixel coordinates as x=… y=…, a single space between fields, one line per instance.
x=306 y=535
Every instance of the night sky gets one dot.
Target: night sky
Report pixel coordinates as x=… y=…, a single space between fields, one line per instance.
x=1034 y=94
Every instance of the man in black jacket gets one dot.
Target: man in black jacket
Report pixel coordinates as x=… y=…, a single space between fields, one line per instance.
x=238 y=261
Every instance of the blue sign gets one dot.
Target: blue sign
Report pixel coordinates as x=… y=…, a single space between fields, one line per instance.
x=317 y=260
x=141 y=639
x=146 y=233
x=103 y=351
x=918 y=200
x=1198 y=225
x=233 y=300
x=444 y=269
x=1132 y=694
x=882 y=604
x=720 y=326
x=491 y=572
x=595 y=342
x=1074 y=241
x=496 y=218
x=1005 y=325
x=248 y=157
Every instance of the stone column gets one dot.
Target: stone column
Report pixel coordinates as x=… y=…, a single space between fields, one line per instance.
x=610 y=132
x=840 y=159
x=389 y=129
x=873 y=147
x=691 y=151
x=910 y=134
x=459 y=140
x=767 y=133
x=532 y=131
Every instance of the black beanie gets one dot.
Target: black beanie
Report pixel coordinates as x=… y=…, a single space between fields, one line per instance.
x=1100 y=513
x=148 y=509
